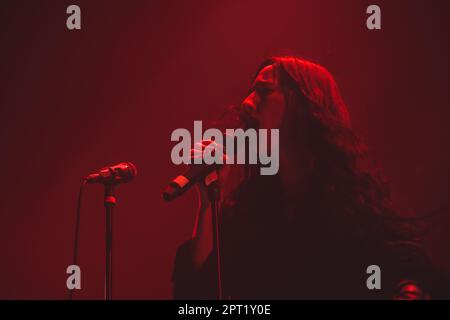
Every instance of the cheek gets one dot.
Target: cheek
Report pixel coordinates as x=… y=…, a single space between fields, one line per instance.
x=272 y=116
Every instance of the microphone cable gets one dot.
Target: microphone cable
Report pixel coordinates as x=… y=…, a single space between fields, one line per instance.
x=77 y=230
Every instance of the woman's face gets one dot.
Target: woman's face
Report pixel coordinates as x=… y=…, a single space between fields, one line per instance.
x=266 y=102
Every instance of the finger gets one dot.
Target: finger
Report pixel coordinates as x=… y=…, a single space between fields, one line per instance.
x=207 y=142
x=196 y=152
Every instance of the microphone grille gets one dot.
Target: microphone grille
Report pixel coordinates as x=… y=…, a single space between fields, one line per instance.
x=131 y=168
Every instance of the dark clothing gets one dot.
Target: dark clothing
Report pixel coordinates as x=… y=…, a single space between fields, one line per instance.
x=266 y=255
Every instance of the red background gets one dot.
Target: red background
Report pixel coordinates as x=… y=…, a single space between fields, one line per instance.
x=74 y=101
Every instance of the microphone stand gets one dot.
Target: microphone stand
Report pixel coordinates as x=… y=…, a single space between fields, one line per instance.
x=214 y=197
x=109 y=203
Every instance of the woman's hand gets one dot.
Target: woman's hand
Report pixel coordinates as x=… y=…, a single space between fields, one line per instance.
x=200 y=148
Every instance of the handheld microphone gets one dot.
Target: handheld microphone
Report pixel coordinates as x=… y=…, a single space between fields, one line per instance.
x=122 y=172
x=182 y=183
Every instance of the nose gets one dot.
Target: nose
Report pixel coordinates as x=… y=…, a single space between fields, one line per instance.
x=249 y=103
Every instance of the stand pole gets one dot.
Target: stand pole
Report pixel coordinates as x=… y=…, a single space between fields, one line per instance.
x=109 y=202
x=214 y=197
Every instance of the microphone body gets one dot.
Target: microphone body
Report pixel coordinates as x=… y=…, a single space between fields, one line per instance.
x=122 y=172
x=194 y=174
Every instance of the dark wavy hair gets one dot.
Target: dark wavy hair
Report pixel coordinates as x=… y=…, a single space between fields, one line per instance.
x=349 y=187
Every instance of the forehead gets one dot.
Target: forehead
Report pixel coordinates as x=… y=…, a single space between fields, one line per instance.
x=266 y=75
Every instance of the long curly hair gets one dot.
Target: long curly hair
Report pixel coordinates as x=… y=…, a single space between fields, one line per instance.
x=349 y=187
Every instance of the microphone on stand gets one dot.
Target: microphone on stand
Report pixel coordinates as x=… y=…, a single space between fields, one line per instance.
x=122 y=172
x=109 y=176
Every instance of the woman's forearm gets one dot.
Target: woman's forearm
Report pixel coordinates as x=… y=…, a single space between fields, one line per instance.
x=202 y=236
